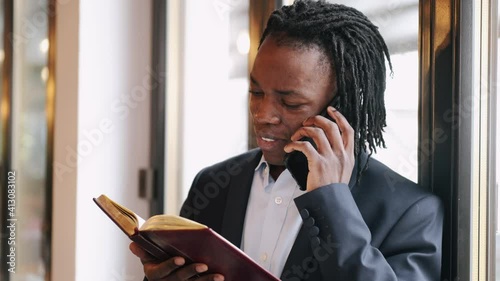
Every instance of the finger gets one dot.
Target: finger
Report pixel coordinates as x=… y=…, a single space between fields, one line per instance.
x=141 y=253
x=305 y=147
x=154 y=271
x=317 y=135
x=344 y=127
x=211 y=277
x=190 y=271
x=331 y=129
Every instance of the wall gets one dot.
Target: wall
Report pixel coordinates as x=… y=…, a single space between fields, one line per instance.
x=103 y=81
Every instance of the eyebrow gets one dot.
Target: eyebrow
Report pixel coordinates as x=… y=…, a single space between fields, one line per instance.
x=280 y=92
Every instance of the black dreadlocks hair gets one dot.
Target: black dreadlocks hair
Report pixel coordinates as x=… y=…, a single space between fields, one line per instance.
x=356 y=52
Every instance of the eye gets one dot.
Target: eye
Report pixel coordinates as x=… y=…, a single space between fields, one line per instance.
x=256 y=93
x=292 y=106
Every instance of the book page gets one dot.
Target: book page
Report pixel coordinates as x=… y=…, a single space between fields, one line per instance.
x=170 y=222
x=140 y=221
x=127 y=220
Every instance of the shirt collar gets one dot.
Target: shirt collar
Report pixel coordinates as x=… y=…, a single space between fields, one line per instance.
x=262 y=170
x=262 y=164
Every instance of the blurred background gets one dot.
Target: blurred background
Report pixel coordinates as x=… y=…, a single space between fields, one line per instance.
x=132 y=98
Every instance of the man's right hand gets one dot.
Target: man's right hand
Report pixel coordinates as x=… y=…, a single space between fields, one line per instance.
x=173 y=269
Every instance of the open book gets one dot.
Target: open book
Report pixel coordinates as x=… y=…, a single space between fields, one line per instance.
x=165 y=236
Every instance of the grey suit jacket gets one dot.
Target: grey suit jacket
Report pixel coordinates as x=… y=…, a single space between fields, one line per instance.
x=384 y=228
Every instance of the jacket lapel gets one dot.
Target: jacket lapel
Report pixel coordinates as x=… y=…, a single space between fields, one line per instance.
x=300 y=249
x=237 y=198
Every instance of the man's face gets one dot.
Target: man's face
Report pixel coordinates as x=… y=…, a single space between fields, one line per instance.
x=287 y=86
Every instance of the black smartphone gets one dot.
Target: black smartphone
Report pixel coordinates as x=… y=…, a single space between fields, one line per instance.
x=296 y=161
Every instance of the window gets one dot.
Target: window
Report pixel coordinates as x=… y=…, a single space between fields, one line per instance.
x=398 y=24
x=26 y=166
x=209 y=102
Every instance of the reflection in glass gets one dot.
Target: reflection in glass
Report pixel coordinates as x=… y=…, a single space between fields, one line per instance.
x=29 y=135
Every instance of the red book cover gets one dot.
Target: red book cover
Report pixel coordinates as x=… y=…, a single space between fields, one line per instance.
x=164 y=236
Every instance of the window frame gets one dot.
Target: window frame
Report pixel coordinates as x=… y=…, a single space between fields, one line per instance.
x=6 y=100
x=455 y=76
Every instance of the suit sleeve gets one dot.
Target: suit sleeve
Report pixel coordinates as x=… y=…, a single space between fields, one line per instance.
x=342 y=246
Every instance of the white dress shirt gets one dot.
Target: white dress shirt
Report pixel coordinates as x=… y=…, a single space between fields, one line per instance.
x=272 y=220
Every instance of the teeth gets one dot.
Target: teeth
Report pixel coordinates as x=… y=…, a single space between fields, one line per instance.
x=267 y=139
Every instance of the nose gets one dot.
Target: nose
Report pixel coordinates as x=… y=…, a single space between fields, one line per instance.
x=265 y=111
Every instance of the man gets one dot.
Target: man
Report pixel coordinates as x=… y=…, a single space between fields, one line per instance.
x=354 y=221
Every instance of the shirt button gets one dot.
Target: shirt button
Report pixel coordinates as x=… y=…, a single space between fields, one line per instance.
x=278 y=200
x=263 y=257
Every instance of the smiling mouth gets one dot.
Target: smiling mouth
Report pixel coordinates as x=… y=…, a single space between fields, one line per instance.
x=268 y=139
